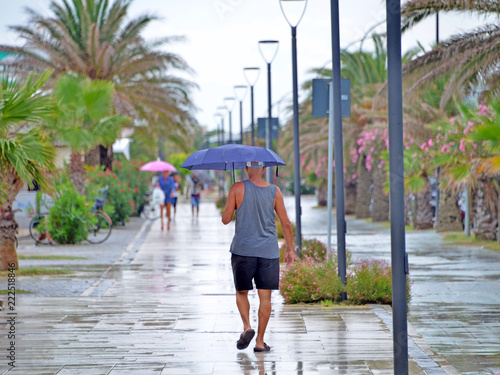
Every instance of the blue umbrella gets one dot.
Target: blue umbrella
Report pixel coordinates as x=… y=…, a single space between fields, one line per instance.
x=231 y=157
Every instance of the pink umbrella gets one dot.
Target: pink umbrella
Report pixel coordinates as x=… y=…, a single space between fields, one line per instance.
x=158 y=166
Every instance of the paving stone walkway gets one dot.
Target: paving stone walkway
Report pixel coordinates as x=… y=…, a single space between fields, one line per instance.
x=167 y=306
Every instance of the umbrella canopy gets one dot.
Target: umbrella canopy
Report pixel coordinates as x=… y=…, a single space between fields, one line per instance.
x=204 y=177
x=158 y=166
x=230 y=157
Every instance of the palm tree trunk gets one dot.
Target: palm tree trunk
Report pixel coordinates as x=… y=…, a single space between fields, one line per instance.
x=77 y=172
x=423 y=219
x=363 y=194
x=380 y=209
x=350 y=197
x=8 y=223
x=322 y=196
x=485 y=207
x=100 y=156
x=448 y=219
x=8 y=239
x=409 y=211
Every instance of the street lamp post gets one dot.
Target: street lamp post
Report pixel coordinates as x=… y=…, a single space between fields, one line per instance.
x=294 y=10
x=219 y=116
x=229 y=103
x=268 y=49
x=240 y=91
x=251 y=76
x=222 y=108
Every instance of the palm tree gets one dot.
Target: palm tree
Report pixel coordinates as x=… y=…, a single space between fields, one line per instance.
x=93 y=38
x=488 y=133
x=25 y=153
x=82 y=120
x=470 y=59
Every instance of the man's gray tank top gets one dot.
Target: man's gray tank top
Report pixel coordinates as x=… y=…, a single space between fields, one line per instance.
x=255 y=233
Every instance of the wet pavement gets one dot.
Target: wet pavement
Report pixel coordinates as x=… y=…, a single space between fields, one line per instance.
x=153 y=302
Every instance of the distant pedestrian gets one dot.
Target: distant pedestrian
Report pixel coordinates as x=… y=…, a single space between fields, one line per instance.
x=255 y=250
x=177 y=187
x=194 y=187
x=167 y=185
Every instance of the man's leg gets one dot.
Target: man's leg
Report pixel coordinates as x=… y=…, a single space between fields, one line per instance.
x=244 y=308
x=264 y=315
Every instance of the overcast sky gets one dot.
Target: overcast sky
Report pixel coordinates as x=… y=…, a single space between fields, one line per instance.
x=222 y=39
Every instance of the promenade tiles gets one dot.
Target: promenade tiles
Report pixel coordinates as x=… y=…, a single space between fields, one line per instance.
x=170 y=309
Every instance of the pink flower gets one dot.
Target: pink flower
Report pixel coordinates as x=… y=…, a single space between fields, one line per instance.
x=462 y=147
x=430 y=143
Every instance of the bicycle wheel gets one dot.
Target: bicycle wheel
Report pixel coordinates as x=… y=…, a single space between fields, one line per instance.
x=100 y=230
x=151 y=211
x=38 y=235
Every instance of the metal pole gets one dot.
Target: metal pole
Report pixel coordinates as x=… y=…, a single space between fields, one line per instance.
x=296 y=148
x=339 y=148
x=467 y=213
x=437 y=28
x=398 y=247
x=253 y=122
x=230 y=127
x=241 y=135
x=222 y=132
x=241 y=122
x=269 y=130
x=330 y=170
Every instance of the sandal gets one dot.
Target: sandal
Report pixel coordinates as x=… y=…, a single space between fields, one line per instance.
x=245 y=339
x=266 y=348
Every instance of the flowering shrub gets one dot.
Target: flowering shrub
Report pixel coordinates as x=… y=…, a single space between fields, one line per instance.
x=126 y=188
x=310 y=281
x=313 y=279
x=69 y=218
x=370 y=282
x=138 y=181
x=311 y=249
x=373 y=142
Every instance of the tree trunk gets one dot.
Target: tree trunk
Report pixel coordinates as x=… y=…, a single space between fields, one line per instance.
x=322 y=195
x=77 y=172
x=380 y=209
x=100 y=156
x=350 y=198
x=8 y=224
x=448 y=219
x=424 y=215
x=485 y=207
x=107 y=157
x=409 y=210
x=363 y=194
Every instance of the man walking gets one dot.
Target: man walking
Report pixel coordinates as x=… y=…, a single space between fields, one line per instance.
x=194 y=186
x=255 y=250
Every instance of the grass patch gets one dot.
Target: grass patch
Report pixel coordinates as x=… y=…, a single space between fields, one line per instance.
x=18 y=291
x=33 y=271
x=460 y=239
x=48 y=257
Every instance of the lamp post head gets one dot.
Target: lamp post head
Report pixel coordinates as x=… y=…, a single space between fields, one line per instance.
x=240 y=91
x=251 y=75
x=268 y=50
x=229 y=103
x=293 y=10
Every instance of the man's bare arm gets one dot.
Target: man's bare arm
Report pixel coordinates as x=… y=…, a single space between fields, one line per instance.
x=279 y=206
x=228 y=213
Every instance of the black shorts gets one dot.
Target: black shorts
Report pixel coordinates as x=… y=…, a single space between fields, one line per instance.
x=265 y=272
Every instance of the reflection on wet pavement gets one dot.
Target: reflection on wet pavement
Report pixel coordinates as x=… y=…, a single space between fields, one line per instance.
x=170 y=309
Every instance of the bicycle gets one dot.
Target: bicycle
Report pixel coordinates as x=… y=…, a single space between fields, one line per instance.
x=98 y=231
x=151 y=210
